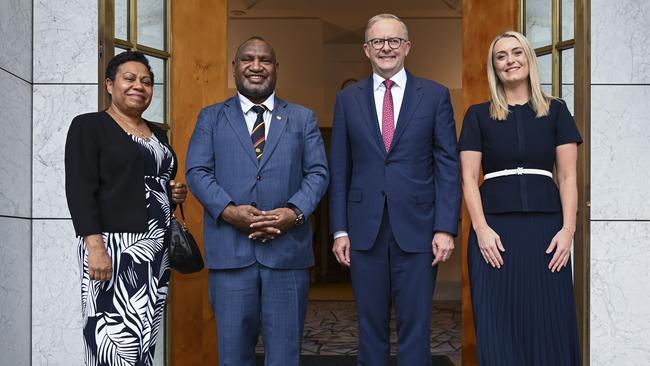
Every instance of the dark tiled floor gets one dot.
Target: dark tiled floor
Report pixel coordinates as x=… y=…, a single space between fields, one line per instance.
x=331 y=329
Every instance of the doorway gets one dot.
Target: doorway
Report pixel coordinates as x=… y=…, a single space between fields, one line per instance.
x=319 y=49
x=338 y=34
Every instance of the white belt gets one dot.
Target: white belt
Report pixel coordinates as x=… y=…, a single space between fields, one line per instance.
x=517 y=171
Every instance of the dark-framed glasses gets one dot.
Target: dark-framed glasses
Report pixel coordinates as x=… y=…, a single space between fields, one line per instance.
x=394 y=43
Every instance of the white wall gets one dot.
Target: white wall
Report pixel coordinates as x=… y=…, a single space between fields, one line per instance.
x=15 y=180
x=65 y=77
x=620 y=214
x=48 y=75
x=312 y=68
x=314 y=64
x=298 y=47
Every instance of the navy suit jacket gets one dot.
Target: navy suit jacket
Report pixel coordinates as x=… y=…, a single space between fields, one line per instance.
x=419 y=179
x=221 y=168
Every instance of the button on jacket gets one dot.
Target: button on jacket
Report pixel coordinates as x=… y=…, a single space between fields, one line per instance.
x=222 y=168
x=522 y=140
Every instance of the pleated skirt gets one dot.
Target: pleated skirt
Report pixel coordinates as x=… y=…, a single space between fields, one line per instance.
x=524 y=314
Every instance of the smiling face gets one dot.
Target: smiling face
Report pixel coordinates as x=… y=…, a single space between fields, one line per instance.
x=510 y=61
x=132 y=88
x=255 y=70
x=386 y=61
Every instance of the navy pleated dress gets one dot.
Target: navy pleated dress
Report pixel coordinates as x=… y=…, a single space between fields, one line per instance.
x=524 y=313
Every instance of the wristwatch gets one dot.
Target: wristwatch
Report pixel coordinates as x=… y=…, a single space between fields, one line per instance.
x=300 y=217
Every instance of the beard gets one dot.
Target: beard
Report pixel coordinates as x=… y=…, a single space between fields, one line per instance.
x=255 y=91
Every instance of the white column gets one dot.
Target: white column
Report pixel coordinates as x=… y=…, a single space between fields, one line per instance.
x=65 y=84
x=620 y=176
x=15 y=179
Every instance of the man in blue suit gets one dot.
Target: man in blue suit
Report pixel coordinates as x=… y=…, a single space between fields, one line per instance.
x=257 y=164
x=394 y=195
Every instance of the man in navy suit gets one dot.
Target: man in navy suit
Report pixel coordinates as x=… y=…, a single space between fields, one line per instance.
x=394 y=195
x=257 y=164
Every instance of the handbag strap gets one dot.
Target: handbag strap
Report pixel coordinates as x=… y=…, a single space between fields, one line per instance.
x=182 y=213
x=182 y=221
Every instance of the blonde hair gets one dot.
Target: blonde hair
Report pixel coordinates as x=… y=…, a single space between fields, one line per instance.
x=539 y=100
x=379 y=17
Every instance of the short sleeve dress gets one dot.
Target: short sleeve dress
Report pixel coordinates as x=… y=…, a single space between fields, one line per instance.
x=524 y=314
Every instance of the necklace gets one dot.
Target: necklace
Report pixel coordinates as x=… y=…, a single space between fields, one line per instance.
x=133 y=129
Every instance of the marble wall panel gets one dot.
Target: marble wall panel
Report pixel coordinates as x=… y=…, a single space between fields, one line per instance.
x=15 y=291
x=16 y=37
x=15 y=145
x=159 y=355
x=619 y=152
x=56 y=304
x=54 y=108
x=620 y=293
x=620 y=51
x=65 y=41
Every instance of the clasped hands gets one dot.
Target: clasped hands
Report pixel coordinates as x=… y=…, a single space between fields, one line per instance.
x=258 y=224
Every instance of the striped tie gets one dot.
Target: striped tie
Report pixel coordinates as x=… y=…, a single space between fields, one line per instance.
x=257 y=135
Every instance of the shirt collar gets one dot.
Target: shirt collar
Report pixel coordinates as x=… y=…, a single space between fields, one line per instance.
x=399 y=79
x=246 y=104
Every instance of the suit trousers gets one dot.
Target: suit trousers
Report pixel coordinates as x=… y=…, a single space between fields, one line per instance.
x=245 y=299
x=386 y=274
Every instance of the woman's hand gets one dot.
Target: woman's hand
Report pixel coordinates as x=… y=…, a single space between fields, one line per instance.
x=100 y=264
x=490 y=244
x=561 y=243
x=179 y=191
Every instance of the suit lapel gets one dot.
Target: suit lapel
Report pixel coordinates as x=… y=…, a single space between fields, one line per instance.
x=235 y=117
x=366 y=101
x=410 y=102
x=278 y=125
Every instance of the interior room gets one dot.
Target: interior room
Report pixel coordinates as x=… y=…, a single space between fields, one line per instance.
x=319 y=49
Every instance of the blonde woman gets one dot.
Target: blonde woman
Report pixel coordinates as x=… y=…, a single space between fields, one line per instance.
x=522 y=222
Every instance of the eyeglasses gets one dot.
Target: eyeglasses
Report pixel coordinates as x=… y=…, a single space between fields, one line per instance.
x=378 y=43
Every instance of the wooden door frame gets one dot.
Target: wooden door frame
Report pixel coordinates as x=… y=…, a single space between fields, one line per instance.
x=199 y=77
x=482 y=20
x=582 y=112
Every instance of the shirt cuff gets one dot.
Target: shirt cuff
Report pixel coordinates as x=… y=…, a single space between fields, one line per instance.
x=340 y=234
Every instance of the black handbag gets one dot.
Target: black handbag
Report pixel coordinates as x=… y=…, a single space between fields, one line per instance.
x=184 y=255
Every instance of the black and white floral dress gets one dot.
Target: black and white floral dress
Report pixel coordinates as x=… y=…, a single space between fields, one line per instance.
x=122 y=316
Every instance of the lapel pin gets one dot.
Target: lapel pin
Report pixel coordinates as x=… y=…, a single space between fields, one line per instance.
x=278 y=117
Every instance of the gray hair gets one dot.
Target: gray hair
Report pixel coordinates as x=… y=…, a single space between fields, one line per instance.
x=379 y=17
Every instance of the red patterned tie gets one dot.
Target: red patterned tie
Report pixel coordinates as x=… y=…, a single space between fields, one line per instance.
x=387 y=115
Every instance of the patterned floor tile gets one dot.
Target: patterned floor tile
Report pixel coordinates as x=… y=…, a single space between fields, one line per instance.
x=331 y=329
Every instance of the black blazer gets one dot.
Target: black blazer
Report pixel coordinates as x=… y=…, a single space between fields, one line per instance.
x=104 y=176
x=522 y=140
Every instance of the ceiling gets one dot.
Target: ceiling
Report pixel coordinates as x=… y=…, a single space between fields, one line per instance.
x=346 y=14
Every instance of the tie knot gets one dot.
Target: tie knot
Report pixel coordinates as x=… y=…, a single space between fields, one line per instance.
x=259 y=109
x=389 y=83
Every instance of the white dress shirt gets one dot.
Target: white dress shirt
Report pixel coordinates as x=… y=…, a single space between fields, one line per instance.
x=250 y=116
x=379 y=89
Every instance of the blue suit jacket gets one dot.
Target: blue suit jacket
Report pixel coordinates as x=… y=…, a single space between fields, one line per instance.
x=419 y=178
x=222 y=168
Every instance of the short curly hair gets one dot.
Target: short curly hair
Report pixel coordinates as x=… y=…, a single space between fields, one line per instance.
x=124 y=57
